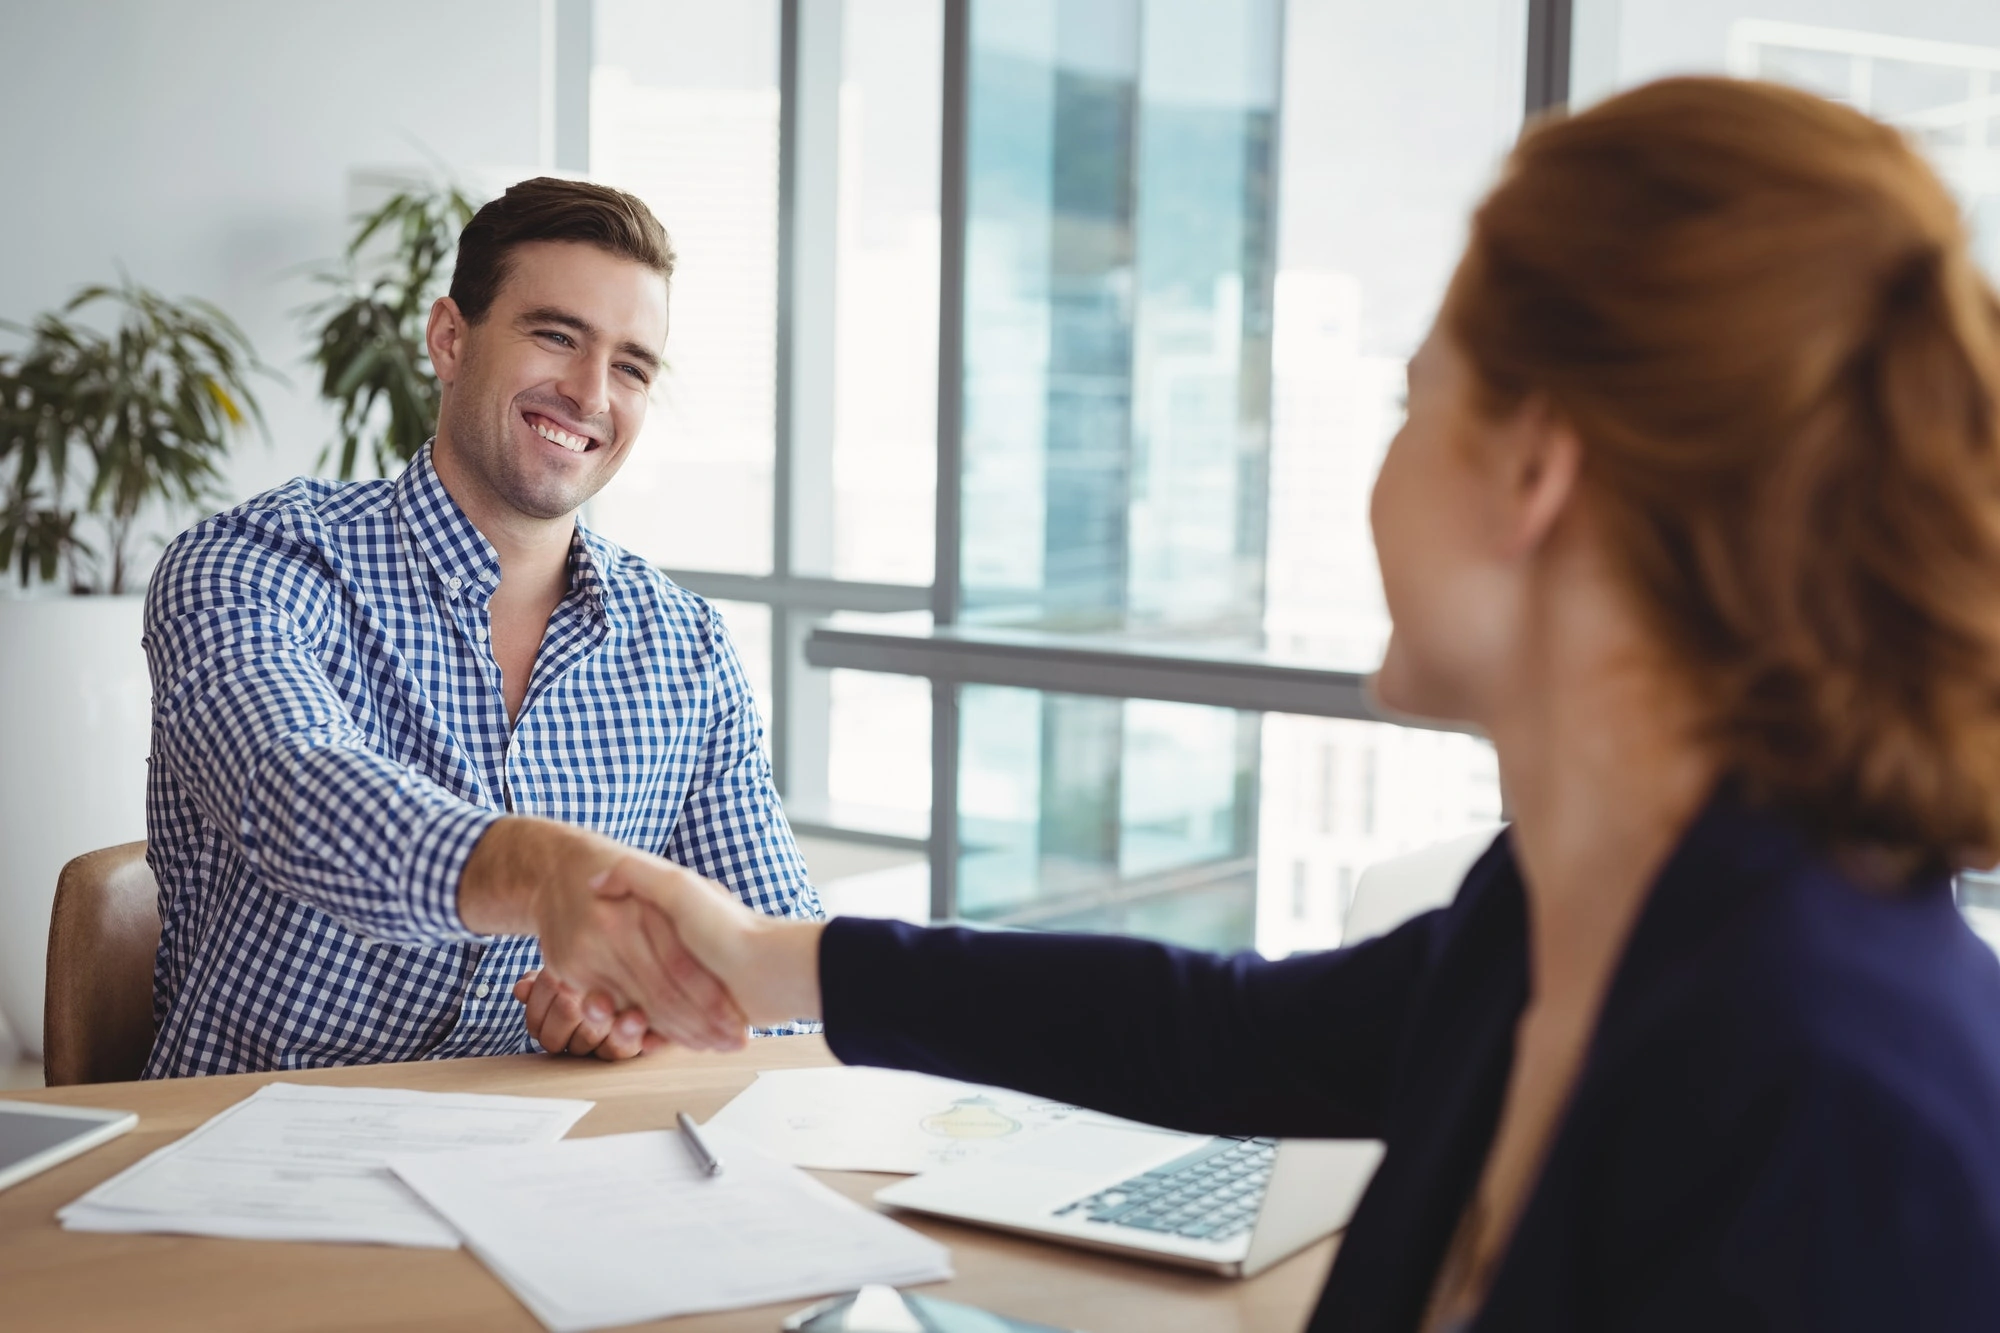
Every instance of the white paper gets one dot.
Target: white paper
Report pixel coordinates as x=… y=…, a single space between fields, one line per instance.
x=293 y=1162
x=862 y=1119
x=591 y=1233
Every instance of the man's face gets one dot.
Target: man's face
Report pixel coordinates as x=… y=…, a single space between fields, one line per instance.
x=544 y=396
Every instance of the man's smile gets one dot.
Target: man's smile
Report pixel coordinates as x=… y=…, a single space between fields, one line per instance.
x=554 y=432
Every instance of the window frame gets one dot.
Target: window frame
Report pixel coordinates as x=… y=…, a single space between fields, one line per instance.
x=951 y=656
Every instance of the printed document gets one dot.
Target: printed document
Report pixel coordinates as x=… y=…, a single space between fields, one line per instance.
x=862 y=1119
x=591 y=1233
x=293 y=1162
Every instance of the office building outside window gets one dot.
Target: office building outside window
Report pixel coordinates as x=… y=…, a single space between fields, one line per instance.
x=1143 y=276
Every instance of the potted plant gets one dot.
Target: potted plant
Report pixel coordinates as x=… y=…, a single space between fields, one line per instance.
x=104 y=438
x=368 y=334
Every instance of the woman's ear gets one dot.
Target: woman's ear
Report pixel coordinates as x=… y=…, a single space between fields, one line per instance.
x=1540 y=459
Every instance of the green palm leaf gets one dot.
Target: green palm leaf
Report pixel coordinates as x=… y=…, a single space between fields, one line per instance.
x=153 y=406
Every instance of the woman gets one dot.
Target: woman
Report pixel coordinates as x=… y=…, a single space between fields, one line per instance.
x=1697 y=515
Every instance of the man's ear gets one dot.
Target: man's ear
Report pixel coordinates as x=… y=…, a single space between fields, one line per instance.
x=444 y=338
x=1544 y=457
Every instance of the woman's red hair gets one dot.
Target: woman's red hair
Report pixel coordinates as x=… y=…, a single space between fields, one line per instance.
x=1758 y=310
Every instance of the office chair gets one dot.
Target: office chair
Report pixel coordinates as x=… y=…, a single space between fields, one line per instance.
x=97 y=1013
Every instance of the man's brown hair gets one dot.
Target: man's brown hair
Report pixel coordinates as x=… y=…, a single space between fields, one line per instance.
x=1759 y=311
x=550 y=209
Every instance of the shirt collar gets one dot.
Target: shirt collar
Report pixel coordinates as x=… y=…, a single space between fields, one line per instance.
x=461 y=558
x=589 y=557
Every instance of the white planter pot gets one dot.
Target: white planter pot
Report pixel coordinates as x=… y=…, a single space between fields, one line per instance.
x=75 y=714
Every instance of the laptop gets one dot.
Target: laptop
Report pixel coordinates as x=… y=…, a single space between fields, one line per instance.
x=1230 y=1205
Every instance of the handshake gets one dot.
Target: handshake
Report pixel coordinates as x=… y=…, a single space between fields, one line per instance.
x=638 y=951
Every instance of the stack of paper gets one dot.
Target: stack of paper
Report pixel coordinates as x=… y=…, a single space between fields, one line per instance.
x=861 y=1119
x=308 y=1163
x=590 y=1233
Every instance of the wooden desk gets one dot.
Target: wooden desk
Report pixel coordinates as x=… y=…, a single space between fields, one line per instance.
x=56 y=1279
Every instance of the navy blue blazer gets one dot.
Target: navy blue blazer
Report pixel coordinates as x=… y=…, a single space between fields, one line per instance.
x=1788 y=1117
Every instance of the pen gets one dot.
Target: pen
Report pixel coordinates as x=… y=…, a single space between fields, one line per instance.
x=704 y=1156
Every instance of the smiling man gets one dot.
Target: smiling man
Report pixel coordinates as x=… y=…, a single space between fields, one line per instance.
x=400 y=728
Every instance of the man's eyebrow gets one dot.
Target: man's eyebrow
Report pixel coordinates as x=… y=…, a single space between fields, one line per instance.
x=650 y=360
x=548 y=314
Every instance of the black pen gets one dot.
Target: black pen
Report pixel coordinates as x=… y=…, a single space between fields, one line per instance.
x=704 y=1156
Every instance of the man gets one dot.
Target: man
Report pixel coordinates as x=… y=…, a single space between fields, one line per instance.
x=403 y=729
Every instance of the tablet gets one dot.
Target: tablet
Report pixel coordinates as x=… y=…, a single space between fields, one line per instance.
x=34 y=1137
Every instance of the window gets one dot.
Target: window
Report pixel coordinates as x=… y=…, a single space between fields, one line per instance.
x=1053 y=474
x=1931 y=67
x=1174 y=403
x=684 y=114
x=885 y=343
x=1120 y=243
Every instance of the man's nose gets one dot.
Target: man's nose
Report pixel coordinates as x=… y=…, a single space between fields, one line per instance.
x=588 y=385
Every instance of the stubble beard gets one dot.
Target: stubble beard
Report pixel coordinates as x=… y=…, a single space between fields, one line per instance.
x=486 y=450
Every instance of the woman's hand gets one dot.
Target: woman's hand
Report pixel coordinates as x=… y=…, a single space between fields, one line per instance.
x=567 y=1023
x=730 y=962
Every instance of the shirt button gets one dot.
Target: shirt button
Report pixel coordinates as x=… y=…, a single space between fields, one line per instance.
x=454 y=583
x=481 y=989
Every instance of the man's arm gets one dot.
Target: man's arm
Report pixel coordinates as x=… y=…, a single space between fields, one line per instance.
x=254 y=731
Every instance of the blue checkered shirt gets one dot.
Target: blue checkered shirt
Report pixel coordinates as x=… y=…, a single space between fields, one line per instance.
x=330 y=740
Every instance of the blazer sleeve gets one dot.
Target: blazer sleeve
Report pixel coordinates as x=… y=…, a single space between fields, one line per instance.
x=1209 y=1043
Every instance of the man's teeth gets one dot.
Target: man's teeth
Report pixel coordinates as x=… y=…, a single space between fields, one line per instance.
x=573 y=443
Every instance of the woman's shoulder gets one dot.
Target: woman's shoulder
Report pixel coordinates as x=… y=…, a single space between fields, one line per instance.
x=1770 y=995
x=1883 y=997
x=1796 y=1086
x=1754 y=921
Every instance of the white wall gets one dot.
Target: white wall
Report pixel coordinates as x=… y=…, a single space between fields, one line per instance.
x=206 y=145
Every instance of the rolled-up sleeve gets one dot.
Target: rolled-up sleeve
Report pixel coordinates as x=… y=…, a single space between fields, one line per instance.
x=254 y=732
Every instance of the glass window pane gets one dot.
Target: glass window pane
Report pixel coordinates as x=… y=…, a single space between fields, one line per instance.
x=1930 y=66
x=684 y=114
x=1119 y=265
x=1081 y=813
x=1203 y=826
x=1338 y=796
x=1395 y=120
x=886 y=300
x=878 y=771
x=1173 y=423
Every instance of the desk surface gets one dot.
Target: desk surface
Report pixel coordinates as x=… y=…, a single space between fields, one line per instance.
x=56 y=1279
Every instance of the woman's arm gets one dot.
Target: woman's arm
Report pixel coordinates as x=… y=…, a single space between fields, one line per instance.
x=1198 y=1041
x=1307 y=1046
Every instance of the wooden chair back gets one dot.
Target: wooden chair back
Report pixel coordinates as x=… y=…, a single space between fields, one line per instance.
x=97 y=1015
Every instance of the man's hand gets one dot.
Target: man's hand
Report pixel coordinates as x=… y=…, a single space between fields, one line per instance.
x=529 y=876
x=566 y=1023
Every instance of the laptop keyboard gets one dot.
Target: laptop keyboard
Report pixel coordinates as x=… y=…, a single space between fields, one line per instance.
x=1212 y=1193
